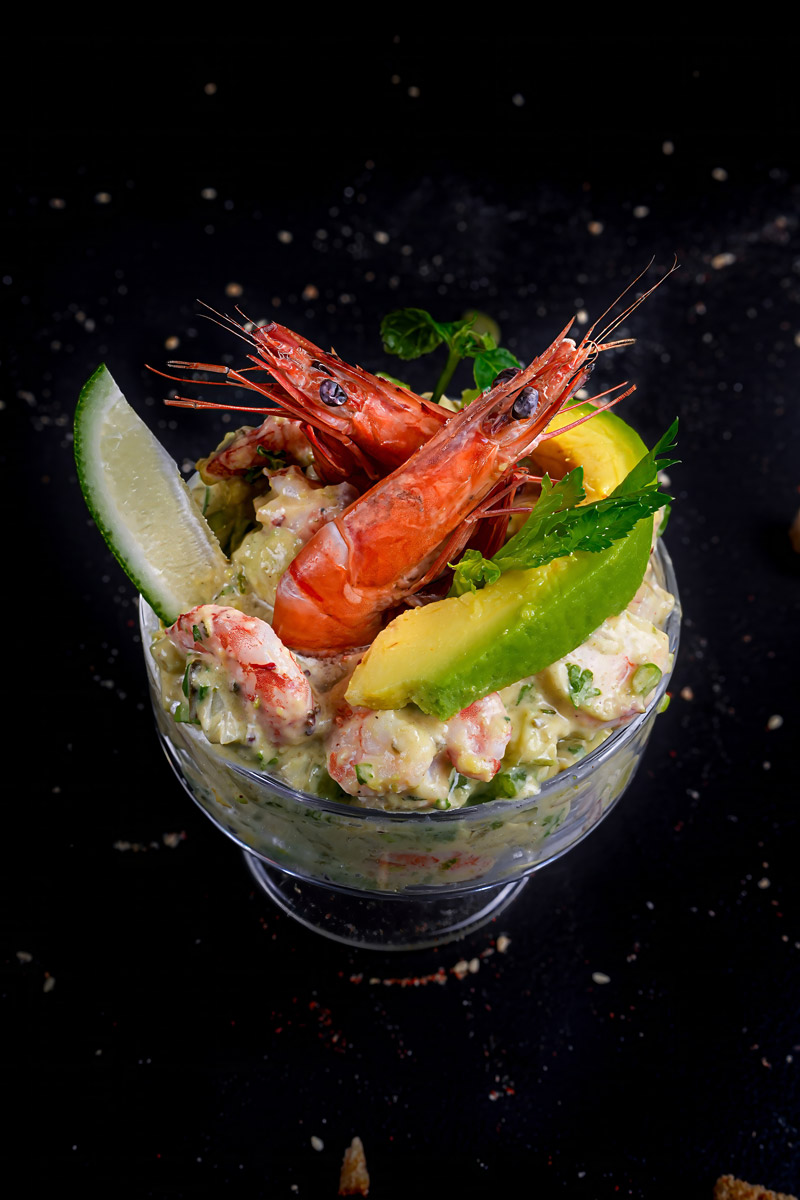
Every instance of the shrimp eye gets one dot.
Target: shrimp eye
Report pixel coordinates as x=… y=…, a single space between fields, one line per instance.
x=525 y=404
x=332 y=394
x=319 y=367
x=504 y=376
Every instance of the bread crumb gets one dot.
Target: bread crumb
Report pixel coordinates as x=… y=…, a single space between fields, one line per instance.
x=729 y=1188
x=354 y=1179
x=794 y=529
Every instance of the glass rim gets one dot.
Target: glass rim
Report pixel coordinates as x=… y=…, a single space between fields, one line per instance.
x=573 y=776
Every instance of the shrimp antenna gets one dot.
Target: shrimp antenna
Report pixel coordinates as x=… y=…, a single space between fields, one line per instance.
x=228 y=324
x=180 y=402
x=617 y=321
x=624 y=292
x=249 y=320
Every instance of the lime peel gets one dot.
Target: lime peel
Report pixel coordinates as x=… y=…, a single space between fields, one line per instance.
x=141 y=505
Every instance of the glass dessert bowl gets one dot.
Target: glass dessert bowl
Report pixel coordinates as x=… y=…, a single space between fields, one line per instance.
x=401 y=880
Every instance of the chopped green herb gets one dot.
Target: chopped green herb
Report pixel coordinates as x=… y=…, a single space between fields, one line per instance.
x=645 y=678
x=526 y=687
x=326 y=787
x=507 y=783
x=473 y=571
x=551 y=712
x=186 y=684
x=580 y=684
x=184 y=716
x=197 y=633
x=276 y=460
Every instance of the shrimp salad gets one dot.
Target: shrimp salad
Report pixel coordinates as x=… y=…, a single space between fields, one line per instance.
x=318 y=510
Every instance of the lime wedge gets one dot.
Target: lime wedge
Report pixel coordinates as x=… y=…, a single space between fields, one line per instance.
x=141 y=505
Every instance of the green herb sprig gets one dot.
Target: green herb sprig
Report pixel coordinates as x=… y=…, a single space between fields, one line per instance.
x=411 y=332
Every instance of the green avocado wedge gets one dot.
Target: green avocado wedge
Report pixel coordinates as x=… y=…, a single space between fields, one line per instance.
x=445 y=655
x=606 y=447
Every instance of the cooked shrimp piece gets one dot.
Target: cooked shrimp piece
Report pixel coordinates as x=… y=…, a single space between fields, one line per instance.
x=291 y=512
x=394 y=750
x=609 y=678
x=477 y=737
x=303 y=507
x=256 y=663
x=247 y=448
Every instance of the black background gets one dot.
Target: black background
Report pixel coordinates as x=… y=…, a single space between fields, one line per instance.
x=167 y=1032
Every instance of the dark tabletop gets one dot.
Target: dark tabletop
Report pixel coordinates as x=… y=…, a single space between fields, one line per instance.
x=629 y=1025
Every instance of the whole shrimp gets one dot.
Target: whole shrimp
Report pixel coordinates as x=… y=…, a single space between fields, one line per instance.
x=401 y=533
x=356 y=422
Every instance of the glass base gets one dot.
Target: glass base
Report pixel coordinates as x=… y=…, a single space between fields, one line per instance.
x=383 y=921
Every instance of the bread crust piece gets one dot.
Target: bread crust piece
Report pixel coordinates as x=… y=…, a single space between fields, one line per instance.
x=354 y=1179
x=729 y=1188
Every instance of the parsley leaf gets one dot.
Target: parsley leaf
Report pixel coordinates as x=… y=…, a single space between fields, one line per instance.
x=411 y=332
x=580 y=684
x=489 y=363
x=472 y=572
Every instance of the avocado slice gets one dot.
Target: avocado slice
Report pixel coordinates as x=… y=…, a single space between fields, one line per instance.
x=445 y=655
x=606 y=447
